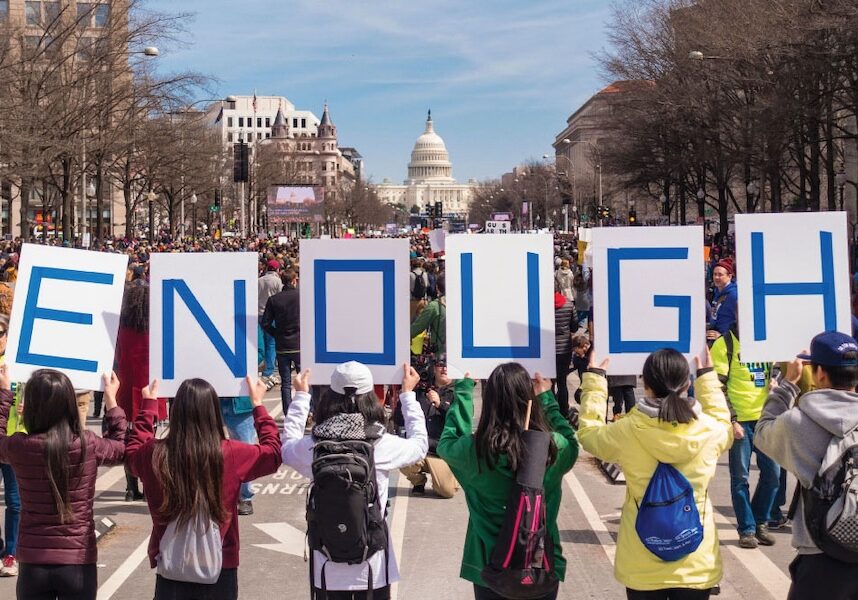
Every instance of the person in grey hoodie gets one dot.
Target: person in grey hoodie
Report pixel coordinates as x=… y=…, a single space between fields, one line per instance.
x=796 y=435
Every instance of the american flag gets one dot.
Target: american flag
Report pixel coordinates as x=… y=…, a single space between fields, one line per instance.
x=254 y=101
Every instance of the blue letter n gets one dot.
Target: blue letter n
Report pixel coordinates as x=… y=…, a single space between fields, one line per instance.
x=33 y=311
x=236 y=361
x=616 y=343
x=532 y=349
x=761 y=289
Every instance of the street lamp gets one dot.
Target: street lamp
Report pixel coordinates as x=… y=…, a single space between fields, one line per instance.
x=151 y=198
x=194 y=219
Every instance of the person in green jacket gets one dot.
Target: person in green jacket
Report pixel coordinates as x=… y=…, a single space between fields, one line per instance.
x=665 y=426
x=485 y=462
x=434 y=319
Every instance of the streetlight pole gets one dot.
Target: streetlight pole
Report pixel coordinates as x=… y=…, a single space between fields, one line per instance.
x=151 y=198
x=194 y=218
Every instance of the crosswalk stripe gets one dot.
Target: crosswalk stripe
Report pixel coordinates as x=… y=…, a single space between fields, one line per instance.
x=118 y=577
x=592 y=515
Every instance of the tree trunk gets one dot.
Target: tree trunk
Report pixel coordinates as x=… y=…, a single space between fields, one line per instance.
x=67 y=202
x=99 y=202
x=25 y=209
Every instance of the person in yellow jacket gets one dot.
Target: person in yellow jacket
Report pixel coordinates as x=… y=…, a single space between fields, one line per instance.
x=664 y=426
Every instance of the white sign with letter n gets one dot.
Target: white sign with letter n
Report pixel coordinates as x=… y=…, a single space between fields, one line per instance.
x=648 y=293
x=500 y=303
x=202 y=320
x=66 y=313
x=793 y=281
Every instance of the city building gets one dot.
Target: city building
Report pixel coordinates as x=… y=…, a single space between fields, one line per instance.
x=250 y=118
x=430 y=179
x=356 y=159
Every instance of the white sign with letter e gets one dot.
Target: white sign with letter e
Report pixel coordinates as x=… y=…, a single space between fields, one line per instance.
x=202 y=320
x=648 y=293
x=354 y=306
x=500 y=304
x=66 y=313
x=793 y=281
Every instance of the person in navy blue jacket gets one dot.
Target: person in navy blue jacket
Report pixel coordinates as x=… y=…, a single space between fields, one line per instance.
x=723 y=310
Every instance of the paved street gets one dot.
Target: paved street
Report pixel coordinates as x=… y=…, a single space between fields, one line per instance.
x=428 y=533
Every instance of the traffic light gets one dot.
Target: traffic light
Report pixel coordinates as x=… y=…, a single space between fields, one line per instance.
x=240 y=162
x=217 y=198
x=633 y=217
x=439 y=210
x=430 y=211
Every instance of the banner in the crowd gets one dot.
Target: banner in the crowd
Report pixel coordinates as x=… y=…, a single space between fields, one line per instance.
x=793 y=281
x=354 y=306
x=497 y=226
x=648 y=293
x=500 y=303
x=437 y=238
x=202 y=320
x=66 y=313
x=295 y=204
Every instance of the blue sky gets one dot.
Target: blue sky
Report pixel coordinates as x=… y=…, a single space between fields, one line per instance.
x=501 y=77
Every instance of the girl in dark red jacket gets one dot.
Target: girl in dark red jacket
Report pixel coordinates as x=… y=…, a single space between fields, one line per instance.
x=195 y=471
x=56 y=464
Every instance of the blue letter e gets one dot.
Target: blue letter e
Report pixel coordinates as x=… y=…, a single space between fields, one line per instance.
x=616 y=343
x=33 y=311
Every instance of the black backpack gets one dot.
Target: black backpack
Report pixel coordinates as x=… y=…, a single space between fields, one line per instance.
x=831 y=503
x=419 y=291
x=344 y=520
x=521 y=566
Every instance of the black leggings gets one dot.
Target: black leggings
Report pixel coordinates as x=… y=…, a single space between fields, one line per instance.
x=225 y=588
x=377 y=594
x=624 y=397
x=484 y=593
x=57 y=582
x=669 y=594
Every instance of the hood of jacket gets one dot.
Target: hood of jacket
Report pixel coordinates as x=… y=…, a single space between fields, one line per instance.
x=730 y=288
x=671 y=443
x=836 y=411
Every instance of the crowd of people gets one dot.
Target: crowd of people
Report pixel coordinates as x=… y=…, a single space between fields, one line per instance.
x=666 y=433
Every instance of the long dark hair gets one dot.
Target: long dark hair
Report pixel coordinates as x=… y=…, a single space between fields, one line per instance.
x=135 y=308
x=333 y=403
x=188 y=461
x=505 y=397
x=666 y=373
x=50 y=408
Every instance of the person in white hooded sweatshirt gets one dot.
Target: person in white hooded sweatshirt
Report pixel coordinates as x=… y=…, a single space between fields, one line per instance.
x=352 y=386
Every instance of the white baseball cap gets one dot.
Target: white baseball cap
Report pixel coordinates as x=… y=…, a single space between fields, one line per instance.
x=351 y=374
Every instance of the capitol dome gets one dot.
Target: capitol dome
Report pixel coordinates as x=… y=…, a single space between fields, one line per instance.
x=429 y=158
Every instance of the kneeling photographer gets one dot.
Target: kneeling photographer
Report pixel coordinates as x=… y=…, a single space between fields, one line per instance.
x=435 y=393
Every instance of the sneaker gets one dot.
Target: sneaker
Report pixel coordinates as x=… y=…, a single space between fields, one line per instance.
x=245 y=507
x=419 y=490
x=763 y=536
x=748 y=541
x=779 y=524
x=9 y=566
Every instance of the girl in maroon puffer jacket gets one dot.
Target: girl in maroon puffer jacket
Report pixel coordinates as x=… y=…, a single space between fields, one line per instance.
x=56 y=464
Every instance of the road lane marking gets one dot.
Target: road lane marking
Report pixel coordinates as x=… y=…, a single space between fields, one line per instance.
x=115 y=581
x=397 y=528
x=767 y=573
x=592 y=515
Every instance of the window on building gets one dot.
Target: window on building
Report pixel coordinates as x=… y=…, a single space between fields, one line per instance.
x=229 y=121
x=268 y=121
x=4 y=10
x=229 y=137
x=84 y=13
x=303 y=123
x=102 y=14
x=241 y=121
x=51 y=12
x=33 y=12
x=324 y=166
x=259 y=121
x=295 y=123
x=267 y=136
x=249 y=137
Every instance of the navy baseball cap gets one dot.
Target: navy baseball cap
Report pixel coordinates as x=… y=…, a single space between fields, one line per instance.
x=828 y=349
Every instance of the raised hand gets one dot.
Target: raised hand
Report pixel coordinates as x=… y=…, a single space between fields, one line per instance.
x=595 y=364
x=540 y=384
x=410 y=378
x=704 y=359
x=301 y=381
x=256 y=390
x=150 y=392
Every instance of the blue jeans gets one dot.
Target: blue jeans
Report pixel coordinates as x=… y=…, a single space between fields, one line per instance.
x=13 y=508
x=240 y=427
x=269 y=353
x=284 y=367
x=751 y=512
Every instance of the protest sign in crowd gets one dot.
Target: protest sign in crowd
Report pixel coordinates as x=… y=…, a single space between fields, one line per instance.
x=379 y=347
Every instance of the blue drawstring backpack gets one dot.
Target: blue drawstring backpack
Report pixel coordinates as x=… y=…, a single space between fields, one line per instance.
x=668 y=522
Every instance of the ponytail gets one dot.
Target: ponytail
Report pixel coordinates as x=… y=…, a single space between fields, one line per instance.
x=675 y=408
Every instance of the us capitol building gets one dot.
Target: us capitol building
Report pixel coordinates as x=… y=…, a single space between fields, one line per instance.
x=430 y=178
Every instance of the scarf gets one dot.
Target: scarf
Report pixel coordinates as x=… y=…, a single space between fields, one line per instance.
x=347 y=426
